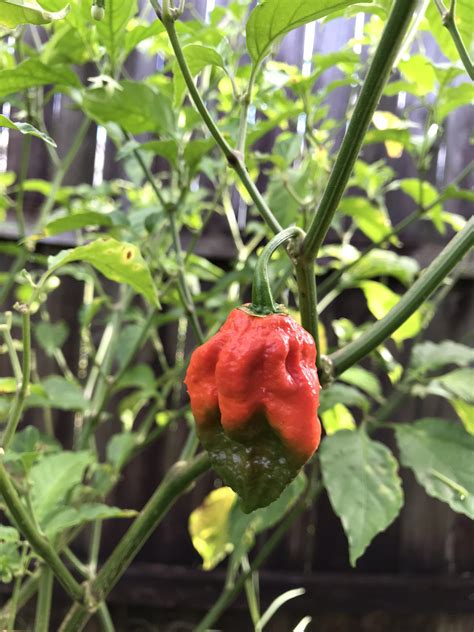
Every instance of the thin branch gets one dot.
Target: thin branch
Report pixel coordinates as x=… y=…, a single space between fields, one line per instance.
x=449 y=21
x=19 y=401
x=234 y=160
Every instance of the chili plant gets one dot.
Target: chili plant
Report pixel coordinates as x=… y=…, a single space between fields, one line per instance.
x=192 y=140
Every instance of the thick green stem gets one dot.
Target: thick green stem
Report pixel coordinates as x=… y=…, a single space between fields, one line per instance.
x=369 y=96
x=262 y=298
x=43 y=604
x=423 y=287
x=37 y=540
x=175 y=483
x=233 y=159
x=307 y=295
x=19 y=401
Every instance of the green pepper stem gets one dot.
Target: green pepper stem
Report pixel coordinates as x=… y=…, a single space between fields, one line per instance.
x=262 y=297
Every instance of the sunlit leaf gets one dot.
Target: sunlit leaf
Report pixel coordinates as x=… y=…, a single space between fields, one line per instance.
x=209 y=526
x=271 y=19
x=15 y=12
x=118 y=261
x=381 y=299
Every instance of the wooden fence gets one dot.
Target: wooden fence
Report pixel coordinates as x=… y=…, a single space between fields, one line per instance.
x=418 y=574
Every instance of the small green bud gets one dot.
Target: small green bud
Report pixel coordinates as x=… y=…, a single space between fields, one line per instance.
x=97 y=13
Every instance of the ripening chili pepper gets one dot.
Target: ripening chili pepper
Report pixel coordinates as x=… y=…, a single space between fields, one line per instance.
x=254 y=394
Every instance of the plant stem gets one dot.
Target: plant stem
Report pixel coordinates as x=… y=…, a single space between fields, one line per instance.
x=423 y=287
x=105 y=618
x=244 y=112
x=185 y=294
x=37 y=540
x=369 y=96
x=184 y=291
x=43 y=604
x=61 y=172
x=233 y=159
x=307 y=295
x=16 y=602
x=262 y=299
x=449 y=21
x=22 y=175
x=6 y=330
x=174 y=484
x=9 y=282
x=19 y=401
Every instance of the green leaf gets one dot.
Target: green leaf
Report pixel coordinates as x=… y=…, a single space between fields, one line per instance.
x=52 y=478
x=419 y=72
x=363 y=379
x=424 y=194
x=68 y=517
x=371 y=220
x=74 y=222
x=8 y=534
x=451 y=99
x=339 y=417
x=62 y=394
x=112 y=29
x=209 y=526
x=271 y=19
x=379 y=263
x=363 y=485
x=460 y=384
x=32 y=73
x=338 y=393
x=120 y=447
x=441 y=455
x=141 y=32
x=15 y=12
x=7 y=385
x=430 y=356
x=197 y=57
x=51 y=336
x=133 y=105
x=118 y=261
x=167 y=149
x=138 y=376
x=195 y=150
x=465 y=412
x=26 y=128
x=381 y=299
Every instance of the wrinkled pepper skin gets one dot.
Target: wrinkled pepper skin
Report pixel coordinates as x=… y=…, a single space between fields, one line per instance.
x=254 y=394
